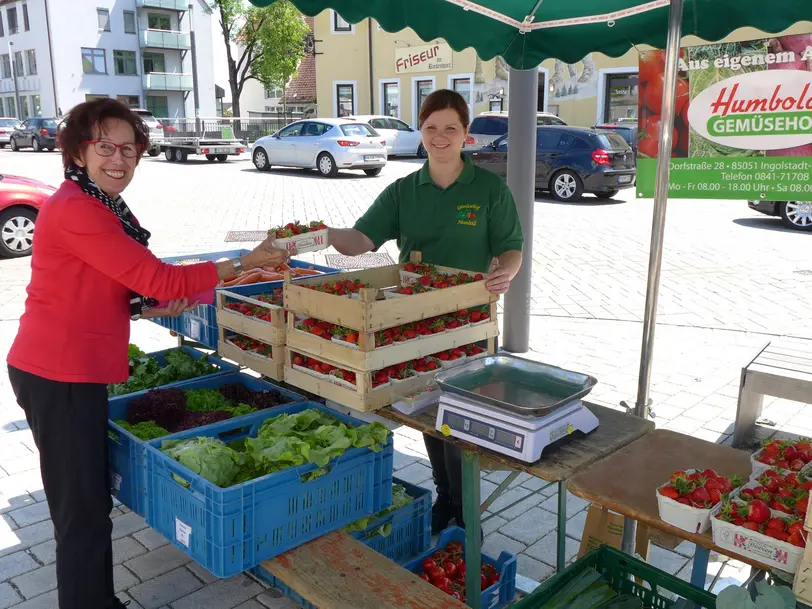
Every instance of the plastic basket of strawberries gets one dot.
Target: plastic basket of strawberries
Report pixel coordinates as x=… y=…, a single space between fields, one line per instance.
x=687 y=499
x=783 y=456
x=785 y=493
x=301 y=238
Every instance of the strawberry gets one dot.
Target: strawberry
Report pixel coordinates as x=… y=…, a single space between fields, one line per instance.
x=298 y=360
x=797 y=539
x=775 y=534
x=780 y=506
x=758 y=511
x=670 y=492
x=432 y=365
x=318 y=331
x=478 y=277
x=777 y=523
x=715 y=495
x=352 y=337
x=684 y=500
x=437 y=326
x=700 y=495
x=476 y=316
x=713 y=483
x=381 y=376
x=795 y=527
x=797 y=465
x=409 y=268
x=802 y=505
x=750 y=525
x=409 y=333
x=407 y=291
x=425 y=280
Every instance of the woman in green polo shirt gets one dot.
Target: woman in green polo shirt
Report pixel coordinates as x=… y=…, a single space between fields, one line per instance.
x=456 y=215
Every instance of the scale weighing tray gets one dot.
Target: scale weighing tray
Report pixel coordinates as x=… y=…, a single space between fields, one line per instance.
x=522 y=437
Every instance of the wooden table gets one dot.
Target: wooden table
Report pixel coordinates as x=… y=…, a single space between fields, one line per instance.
x=615 y=430
x=626 y=483
x=336 y=571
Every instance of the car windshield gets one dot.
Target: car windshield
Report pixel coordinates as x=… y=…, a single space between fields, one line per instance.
x=49 y=123
x=611 y=141
x=9 y=122
x=358 y=130
x=549 y=120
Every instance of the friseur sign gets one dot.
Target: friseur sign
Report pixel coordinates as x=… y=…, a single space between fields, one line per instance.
x=430 y=58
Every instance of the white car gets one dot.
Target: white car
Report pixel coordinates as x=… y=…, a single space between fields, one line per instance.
x=156 y=131
x=325 y=144
x=400 y=138
x=7 y=125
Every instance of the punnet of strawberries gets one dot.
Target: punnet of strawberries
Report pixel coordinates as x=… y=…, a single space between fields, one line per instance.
x=446 y=570
x=757 y=516
x=700 y=489
x=250 y=310
x=786 y=454
x=786 y=493
x=431 y=278
x=292 y=229
x=340 y=287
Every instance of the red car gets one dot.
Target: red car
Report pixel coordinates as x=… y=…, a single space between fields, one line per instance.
x=20 y=200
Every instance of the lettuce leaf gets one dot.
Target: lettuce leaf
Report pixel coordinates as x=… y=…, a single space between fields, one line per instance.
x=207 y=457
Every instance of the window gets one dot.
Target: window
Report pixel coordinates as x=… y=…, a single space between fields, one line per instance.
x=24 y=107
x=91 y=97
x=292 y=130
x=357 y=130
x=36 y=105
x=156 y=21
x=124 y=63
x=26 y=23
x=19 y=69
x=423 y=89
x=502 y=145
x=11 y=15
x=620 y=97
x=6 y=65
x=158 y=105
x=154 y=62
x=12 y=109
x=2 y=33
x=379 y=123
x=399 y=125
x=391 y=99
x=549 y=120
x=340 y=24
x=104 y=19
x=31 y=59
x=484 y=125
x=548 y=140
x=345 y=100
x=129 y=22
x=315 y=129
x=463 y=87
x=274 y=93
x=129 y=100
x=94 y=61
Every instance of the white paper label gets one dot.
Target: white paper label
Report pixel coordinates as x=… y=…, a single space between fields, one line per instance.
x=194 y=329
x=182 y=532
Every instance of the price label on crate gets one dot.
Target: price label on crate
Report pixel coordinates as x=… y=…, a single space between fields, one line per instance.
x=194 y=329
x=182 y=532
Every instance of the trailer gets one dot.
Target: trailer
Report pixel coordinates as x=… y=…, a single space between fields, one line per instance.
x=219 y=149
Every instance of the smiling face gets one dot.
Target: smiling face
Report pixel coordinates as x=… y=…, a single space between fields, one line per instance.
x=443 y=135
x=111 y=173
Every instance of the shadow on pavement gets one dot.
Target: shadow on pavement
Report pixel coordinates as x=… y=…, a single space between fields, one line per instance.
x=310 y=173
x=766 y=223
x=586 y=200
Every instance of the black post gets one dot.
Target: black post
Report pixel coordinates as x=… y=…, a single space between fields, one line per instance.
x=14 y=74
x=194 y=71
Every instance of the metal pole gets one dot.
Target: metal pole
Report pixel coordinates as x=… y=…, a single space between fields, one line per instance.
x=522 y=100
x=194 y=70
x=51 y=60
x=371 y=71
x=473 y=525
x=18 y=109
x=660 y=201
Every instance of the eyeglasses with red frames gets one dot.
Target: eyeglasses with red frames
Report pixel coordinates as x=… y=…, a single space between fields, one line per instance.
x=129 y=151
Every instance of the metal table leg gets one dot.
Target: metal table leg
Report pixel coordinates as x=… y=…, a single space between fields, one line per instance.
x=561 y=557
x=700 y=568
x=473 y=527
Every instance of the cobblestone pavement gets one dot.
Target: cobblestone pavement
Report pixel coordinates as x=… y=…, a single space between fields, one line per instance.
x=731 y=281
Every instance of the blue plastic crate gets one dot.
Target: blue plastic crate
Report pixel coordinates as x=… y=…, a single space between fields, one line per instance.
x=126 y=461
x=499 y=594
x=231 y=530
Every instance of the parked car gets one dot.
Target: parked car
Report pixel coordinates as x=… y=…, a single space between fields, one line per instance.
x=7 y=126
x=37 y=133
x=20 y=200
x=326 y=144
x=570 y=161
x=490 y=126
x=156 y=131
x=794 y=214
x=626 y=129
x=400 y=138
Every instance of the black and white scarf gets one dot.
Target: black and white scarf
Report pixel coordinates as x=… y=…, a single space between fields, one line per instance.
x=131 y=226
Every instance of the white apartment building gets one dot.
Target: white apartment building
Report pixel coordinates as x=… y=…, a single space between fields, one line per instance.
x=65 y=52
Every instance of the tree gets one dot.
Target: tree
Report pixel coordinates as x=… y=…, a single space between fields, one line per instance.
x=268 y=43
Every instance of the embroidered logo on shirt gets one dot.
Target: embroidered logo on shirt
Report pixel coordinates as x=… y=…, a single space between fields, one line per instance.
x=467 y=214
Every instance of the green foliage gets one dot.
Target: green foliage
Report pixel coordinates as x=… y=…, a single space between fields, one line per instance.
x=147 y=373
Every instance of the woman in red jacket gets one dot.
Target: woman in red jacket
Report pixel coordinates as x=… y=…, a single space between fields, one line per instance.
x=91 y=274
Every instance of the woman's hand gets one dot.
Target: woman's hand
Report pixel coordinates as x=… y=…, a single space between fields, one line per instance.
x=173 y=309
x=266 y=254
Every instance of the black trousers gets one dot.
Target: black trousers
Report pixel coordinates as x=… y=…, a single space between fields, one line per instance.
x=69 y=424
x=446 y=466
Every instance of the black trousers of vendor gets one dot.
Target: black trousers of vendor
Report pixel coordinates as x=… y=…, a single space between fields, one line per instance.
x=69 y=425
x=446 y=466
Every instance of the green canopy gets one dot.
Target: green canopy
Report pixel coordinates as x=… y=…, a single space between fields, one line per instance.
x=526 y=32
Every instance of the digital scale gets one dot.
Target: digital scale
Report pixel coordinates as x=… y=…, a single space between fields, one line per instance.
x=520 y=436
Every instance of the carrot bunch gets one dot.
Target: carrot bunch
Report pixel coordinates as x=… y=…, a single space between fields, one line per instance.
x=267 y=273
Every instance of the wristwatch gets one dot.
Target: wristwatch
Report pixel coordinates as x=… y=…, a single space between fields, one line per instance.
x=237 y=262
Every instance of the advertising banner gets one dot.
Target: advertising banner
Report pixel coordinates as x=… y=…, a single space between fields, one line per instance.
x=743 y=126
x=430 y=58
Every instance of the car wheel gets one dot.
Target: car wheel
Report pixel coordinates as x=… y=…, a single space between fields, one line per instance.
x=180 y=155
x=17 y=232
x=261 y=159
x=50 y=149
x=797 y=215
x=35 y=145
x=566 y=186
x=12 y=143
x=422 y=153
x=222 y=158
x=373 y=172
x=154 y=151
x=169 y=155
x=606 y=195
x=211 y=157
x=326 y=165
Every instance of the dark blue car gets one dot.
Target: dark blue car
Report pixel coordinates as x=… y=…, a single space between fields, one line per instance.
x=570 y=161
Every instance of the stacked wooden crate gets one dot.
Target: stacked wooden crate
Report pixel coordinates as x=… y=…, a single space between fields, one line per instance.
x=803 y=576
x=366 y=313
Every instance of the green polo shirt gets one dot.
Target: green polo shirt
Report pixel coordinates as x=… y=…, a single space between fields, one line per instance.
x=463 y=226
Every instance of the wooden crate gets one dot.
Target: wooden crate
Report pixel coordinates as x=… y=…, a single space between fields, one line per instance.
x=270 y=332
x=802 y=586
x=369 y=358
x=370 y=312
x=363 y=397
x=273 y=368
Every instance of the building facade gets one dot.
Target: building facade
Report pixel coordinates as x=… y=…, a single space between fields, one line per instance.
x=137 y=51
x=361 y=69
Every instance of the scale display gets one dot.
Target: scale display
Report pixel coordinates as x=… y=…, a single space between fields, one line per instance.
x=478 y=429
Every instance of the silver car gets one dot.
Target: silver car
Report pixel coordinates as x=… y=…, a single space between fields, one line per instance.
x=156 y=131
x=325 y=144
x=7 y=125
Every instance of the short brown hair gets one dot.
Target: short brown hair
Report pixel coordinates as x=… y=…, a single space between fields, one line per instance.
x=441 y=100
x=78 y=127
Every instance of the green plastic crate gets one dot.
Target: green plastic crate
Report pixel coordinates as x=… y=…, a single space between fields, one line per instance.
x=616 y=567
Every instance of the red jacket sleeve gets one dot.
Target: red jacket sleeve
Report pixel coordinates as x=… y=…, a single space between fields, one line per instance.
x=94 y=235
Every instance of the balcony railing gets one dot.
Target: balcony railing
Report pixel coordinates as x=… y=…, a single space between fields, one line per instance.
x=172 y=5
x=159 y=81
x=165 y=39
